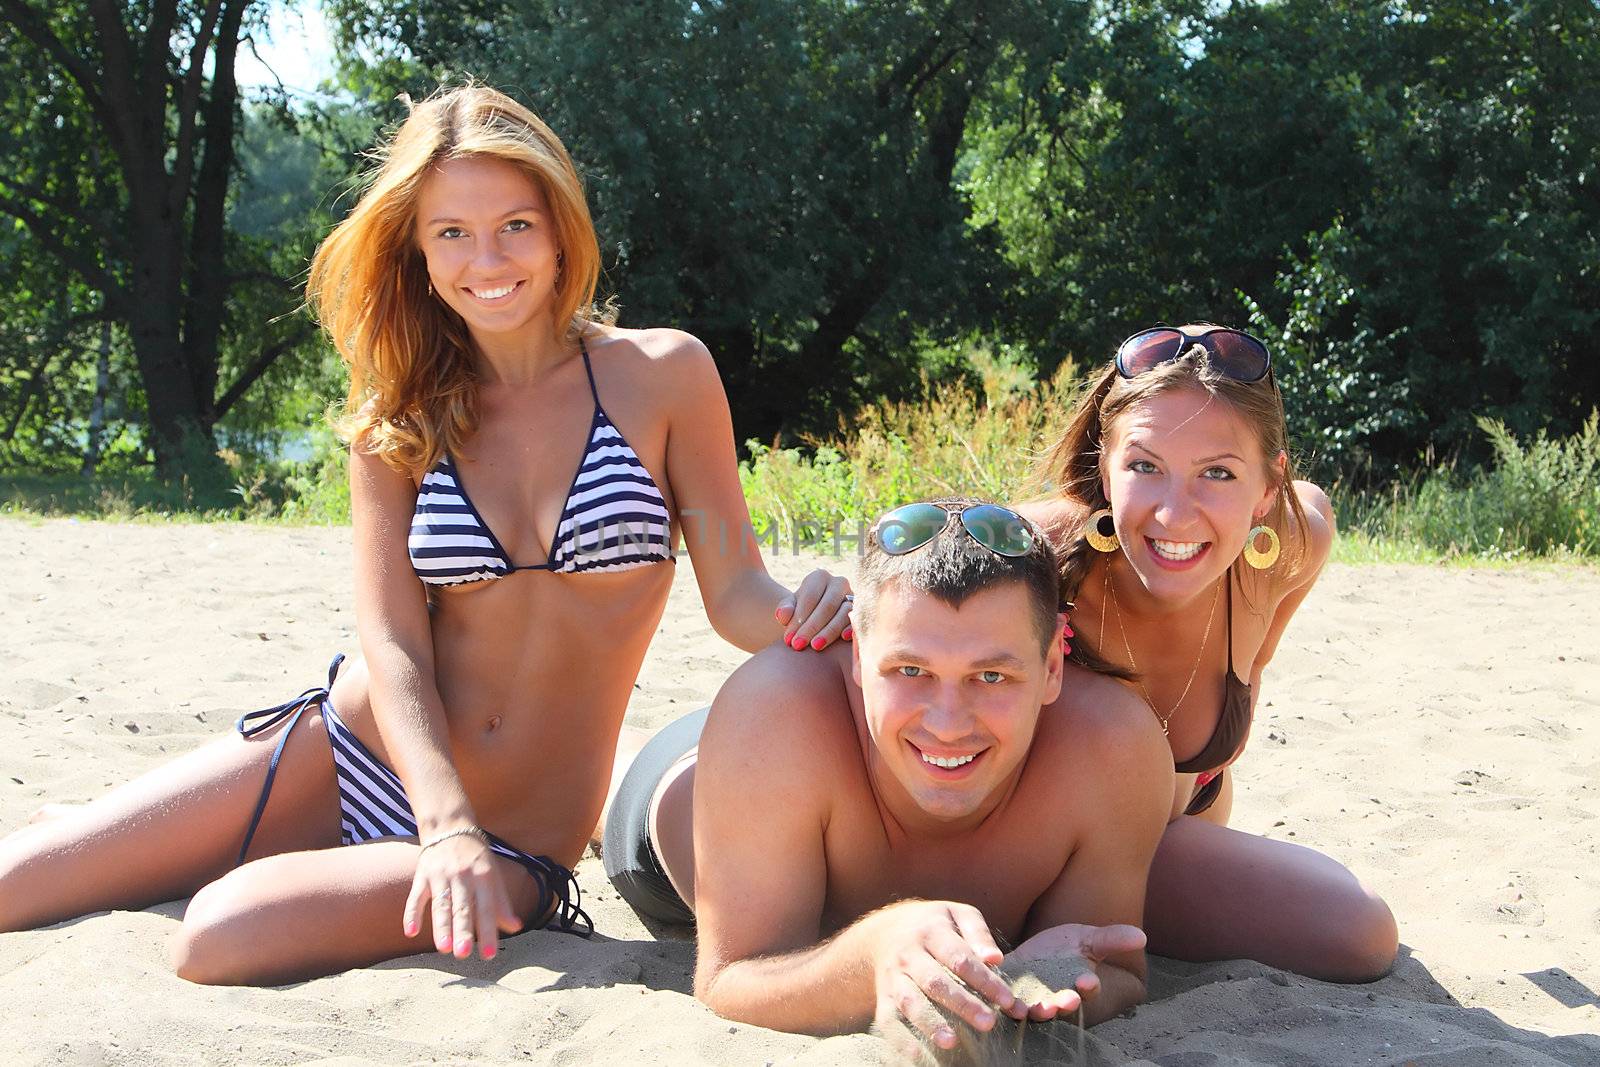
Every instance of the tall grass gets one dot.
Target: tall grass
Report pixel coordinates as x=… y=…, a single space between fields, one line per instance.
x=1539 y=498
x=957 y=441
x=313 y=491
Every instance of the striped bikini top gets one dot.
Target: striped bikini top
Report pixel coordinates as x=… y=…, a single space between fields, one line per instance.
x=614 y=518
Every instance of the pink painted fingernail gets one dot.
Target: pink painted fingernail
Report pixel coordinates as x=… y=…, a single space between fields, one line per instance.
x=411 y=929
x=848 y=633
x=797 y=642
x=488 y=952
x=818 y=643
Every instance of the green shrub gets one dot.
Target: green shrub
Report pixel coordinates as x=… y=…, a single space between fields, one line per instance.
x=951 y=442
x=315 y=490
x=1539 y=498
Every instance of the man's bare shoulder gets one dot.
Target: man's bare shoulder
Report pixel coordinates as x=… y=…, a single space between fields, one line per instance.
x=786 y=706
x=1099 y=752
x=1101 y=727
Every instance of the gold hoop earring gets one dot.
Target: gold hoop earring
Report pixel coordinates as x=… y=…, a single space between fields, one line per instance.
x=1098 y=537
x=1255 y=557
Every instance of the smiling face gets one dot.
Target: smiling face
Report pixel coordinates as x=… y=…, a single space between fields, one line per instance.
x=486 y=234
x=952 y=696
x=1186 y=481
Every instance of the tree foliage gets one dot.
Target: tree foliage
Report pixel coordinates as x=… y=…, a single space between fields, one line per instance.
x=119 y=122
x=1403 y=195
x=780 y=179
x=846 y=200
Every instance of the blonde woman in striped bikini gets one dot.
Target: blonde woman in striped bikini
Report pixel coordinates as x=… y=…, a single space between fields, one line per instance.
x=520 y=469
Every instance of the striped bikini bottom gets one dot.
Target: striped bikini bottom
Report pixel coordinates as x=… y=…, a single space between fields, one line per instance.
x=373 y=804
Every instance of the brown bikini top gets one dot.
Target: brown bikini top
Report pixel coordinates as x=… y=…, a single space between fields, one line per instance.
x=1234 y=725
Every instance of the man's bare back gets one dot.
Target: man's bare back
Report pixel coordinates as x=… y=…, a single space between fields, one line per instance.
x=871 y=823
x=1089 y=746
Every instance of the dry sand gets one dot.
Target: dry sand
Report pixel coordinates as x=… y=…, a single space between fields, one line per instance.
x=1437 y=730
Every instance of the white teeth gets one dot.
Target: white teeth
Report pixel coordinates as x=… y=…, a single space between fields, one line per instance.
x=494 y=294
x=948 y=762
x=1177 y=550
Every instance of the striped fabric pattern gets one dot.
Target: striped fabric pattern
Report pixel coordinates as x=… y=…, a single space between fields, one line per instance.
x=449 y=543
x=614 y=519
x=373 y=804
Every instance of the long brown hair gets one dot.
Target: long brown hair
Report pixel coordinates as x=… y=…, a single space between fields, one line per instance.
x=413 y=387
x=1071 y=467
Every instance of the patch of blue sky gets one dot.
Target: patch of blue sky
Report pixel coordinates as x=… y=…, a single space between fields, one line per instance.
x=293 y=50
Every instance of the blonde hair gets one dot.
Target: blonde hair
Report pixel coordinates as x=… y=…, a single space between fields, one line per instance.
x=413 y=387
x=1072 y=466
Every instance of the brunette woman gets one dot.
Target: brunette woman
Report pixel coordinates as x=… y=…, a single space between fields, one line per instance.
x=1187 y=545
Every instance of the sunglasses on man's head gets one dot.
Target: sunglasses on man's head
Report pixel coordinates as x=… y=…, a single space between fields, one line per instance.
x=910 y=526
x=1234 y=353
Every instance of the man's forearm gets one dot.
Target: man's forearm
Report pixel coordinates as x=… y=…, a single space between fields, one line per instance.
x=825 y=989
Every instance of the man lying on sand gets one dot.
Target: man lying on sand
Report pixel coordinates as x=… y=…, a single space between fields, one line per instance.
x=871 y=825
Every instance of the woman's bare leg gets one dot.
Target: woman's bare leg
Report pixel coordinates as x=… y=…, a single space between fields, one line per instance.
x=167 y=833
x=299 y=915
x=1217 y=893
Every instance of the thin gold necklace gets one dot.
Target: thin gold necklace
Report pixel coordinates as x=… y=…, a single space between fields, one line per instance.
x=1108 y=592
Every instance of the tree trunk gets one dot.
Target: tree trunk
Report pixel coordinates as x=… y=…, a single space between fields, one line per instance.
x=787 y=396
x=207 y=296
x=154 y=83
x=180 y=428
x=97 y=413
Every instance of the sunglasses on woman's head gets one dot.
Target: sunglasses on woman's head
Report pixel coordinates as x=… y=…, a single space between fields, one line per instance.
x=1234 y=353
x=910 y=526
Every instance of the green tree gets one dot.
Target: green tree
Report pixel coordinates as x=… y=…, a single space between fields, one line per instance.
x=1403 y=192
x=780 y=179
x=119 y=124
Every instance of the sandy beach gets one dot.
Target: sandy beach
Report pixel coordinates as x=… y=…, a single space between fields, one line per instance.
x=1438 y=730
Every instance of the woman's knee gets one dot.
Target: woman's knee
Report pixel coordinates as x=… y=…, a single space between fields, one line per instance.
x=11 y=888
x=1367 y=940
x=25 y=889
x=213 y=946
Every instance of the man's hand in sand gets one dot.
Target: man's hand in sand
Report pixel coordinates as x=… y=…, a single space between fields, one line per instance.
x=1086 y=946
x=933 y=954
x=469 y=898
x=863 y=819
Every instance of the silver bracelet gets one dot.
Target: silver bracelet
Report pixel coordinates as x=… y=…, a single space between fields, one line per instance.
x=465 y=831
